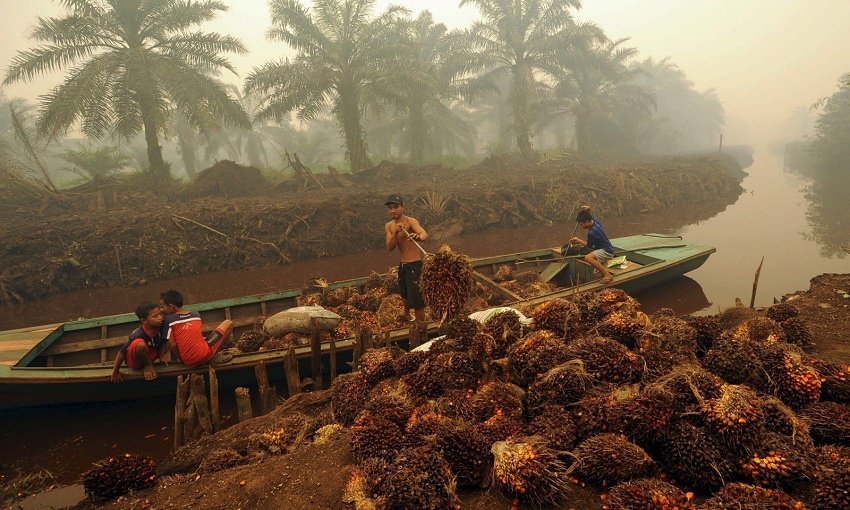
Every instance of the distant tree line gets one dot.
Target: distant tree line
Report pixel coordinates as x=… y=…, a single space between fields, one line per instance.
x=526 y=77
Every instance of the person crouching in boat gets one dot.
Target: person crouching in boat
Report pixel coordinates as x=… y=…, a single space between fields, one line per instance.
x=184 y=328
x=144 y=345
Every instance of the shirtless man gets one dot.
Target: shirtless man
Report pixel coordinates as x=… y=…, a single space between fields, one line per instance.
x=401 y=232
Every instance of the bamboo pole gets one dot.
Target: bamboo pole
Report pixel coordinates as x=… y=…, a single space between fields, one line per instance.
x=756 y=284
x=243 y=404
x=215 y=409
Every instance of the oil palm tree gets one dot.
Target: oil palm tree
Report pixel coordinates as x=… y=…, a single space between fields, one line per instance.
x=343 y=54
x=130 y=62
x=519 y=38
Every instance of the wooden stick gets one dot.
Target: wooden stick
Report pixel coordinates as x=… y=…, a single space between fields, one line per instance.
x=290 y=368
x=266 y=406
x=201 y=403
x=316 y=358
x=756 y=284
x=200 y=225
x=118 y=258
x=332 y=351
x=180 y=410
x=215 y=410
x=243 y=404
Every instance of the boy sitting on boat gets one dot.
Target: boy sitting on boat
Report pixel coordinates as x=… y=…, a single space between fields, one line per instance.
x=184 y=328
x=144 y=345
x=597 y=240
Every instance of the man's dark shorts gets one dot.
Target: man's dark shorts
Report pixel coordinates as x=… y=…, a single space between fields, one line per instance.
x=408 y=284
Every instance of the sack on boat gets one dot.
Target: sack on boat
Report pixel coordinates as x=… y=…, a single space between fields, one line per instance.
x=301 y=319
x=485 y=315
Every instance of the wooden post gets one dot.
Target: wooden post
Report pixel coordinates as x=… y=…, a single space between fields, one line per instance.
x=266 y=403
x=413 y=336
x=180 y=410
x=358 y=348
x=316 y=358
x=190 y=420
x=202 y=404
x=243 y=404
x=756 y=284
x=332 y=351
x=215 y=412
x=290 y=368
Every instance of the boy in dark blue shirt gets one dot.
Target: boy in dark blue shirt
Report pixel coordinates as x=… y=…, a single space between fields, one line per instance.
x=597 y=240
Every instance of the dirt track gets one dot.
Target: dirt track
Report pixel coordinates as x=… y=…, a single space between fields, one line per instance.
x=235 y=220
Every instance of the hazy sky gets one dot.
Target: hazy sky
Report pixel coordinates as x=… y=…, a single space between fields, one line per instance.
x=764 y=58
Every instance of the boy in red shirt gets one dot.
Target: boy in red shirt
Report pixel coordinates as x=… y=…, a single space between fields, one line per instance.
x=144 y=346
x=184 y=328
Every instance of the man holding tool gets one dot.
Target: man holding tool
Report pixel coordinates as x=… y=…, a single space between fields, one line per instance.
x=404 y=233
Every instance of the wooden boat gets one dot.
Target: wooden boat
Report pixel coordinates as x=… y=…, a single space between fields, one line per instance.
x=72 y=361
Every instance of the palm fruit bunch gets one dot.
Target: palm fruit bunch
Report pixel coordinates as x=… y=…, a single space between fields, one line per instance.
x=781 y=311
x=339 y=296
x=446 y=282
x=607 y=360
x=832 y=491
x=555 y=425
x=220 y=459
x=689 y=385
x=324 y=433
x=377 y=364
x=830 y=458
x=781 y=419
x=457 y=370
x=425 y=422
x=497 y=397
x=611 y=300
x=829 y=422
x=388 y=399
x=733 y=317
x=467 y=452
x=347 y=312
x=423 y=383
x=786 y=375
x=499 y=427
x=526 y=469
x=734 y=359
x=742 y=495
x=485 y=347
x=117 y=476
x=390 y=285
x=565 y=384
x=589 y=309
x=670 y=333
x=409 y=362
x=527 y=277
x=253 y=340
x=504 y=273
x=660 y=362
x=735 y=416
x=648 y=494
x=505 y=329
x=388 y=314
x=761 y=330
x=777 y=463
x=280 y=436
x=591 y=413
x=535 y=354
x=694 y=457
x=797 y=332
x=348 y=394
x=624 y=326
x=373 y=435
x=443 y=345
x=418 y=478
x=557 y=315
x=835 y=380
x=369 y=301
x=707 y=328
x=455 y=404
x=360 y=488
x=610 y=458
x=368 y=321
x=462 y=329
x=643 y=417
x=374 y=281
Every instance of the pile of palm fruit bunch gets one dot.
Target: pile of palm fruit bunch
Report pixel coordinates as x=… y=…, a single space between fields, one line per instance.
x=734 y=417
x=446 y=282
x=526 y=284
x=117 y=476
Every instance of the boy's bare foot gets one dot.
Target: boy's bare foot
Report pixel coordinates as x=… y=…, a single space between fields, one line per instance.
x=607 y=279
x=150 y=374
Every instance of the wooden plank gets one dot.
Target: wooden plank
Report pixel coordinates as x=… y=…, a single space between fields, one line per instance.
x=495 y=287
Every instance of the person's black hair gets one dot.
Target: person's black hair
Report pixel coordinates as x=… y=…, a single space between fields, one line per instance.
x=583 y=216
x=144 y=309
x=172 y=297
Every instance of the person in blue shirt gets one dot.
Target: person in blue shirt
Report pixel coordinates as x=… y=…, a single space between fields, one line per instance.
x=597 y=240
x=144 y=346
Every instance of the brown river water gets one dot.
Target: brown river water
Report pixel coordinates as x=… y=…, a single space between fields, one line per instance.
x=768 y=220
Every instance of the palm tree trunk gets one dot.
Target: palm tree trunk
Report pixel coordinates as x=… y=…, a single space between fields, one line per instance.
x=583 y=134
x=417 y=133
x=352 y=130
x=158 y=167
x=519 y=103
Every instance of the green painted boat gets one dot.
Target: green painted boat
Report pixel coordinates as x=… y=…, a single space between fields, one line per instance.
x=71 y=362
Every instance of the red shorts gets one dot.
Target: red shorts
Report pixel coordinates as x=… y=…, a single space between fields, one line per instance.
x=132 y=362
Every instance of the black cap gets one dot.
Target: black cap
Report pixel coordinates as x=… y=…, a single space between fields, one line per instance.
x=395 y=198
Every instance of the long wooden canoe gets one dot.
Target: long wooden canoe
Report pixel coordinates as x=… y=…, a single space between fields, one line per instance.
x=71 y=362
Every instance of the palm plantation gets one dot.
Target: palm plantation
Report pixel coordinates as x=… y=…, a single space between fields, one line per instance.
x=343 y=55
x=129 y=64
